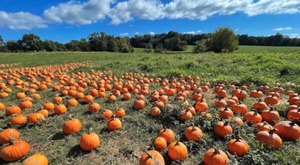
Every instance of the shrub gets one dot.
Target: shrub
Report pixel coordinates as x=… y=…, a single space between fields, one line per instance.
x=223 y=40
x=200 y=46
x=148 y=48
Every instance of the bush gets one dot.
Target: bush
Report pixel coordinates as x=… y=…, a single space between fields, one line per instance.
x=159 y=48
x=148 y=48
x=200 y=46
x=223 y=40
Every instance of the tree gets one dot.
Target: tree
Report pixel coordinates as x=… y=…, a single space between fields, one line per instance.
x=148 y=48
x=30 y=42
x=124 y=45
x=175 y=44
x=159 y=48
x=200 y=46
x=12 y=46
x=112 y=45
x=2 y=45
x=223 y=40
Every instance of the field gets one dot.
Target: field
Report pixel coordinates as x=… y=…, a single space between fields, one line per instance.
x=250 y=65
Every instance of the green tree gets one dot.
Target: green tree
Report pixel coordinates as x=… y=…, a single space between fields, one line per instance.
x=30 y=42
x=148 y=48
x=159 y=48
x=175 y=44
x=12 y=46
x=124 y=45
x=223 y=40
x=112 y=45
x=200 y=46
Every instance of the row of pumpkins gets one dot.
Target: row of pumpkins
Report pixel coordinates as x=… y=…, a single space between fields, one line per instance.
x=73 y=87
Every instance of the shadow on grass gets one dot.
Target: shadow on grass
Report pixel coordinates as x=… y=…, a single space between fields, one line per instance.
x=75 y=151
x=58 y=136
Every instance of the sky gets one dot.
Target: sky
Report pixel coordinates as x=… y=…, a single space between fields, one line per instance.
x=65 y=20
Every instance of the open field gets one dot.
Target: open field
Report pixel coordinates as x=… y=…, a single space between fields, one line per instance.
x=260 y=65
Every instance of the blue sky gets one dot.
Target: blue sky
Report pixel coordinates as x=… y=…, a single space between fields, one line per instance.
x=65 y=20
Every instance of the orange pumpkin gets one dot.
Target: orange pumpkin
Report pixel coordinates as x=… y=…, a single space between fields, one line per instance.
x=14 y=151
x=36 y=159
x=89 y=141
x=215 y=156
x=151 y=157
x=177 y=151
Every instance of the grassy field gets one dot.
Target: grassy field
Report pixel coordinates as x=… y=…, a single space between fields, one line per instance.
x=259 y=65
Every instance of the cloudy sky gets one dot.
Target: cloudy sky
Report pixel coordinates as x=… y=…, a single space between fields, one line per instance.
x=64 y=20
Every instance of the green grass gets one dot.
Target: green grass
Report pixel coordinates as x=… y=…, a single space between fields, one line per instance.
x=257 y=64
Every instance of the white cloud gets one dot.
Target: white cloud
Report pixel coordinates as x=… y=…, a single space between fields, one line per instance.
x=152 y=33
x=283 y=29
x=192 y=32
x=78 y=12
x=293 y=35
x=21 y=21
x=136 y=33
x=74 y=12
x=142 y=9
x=124 y=34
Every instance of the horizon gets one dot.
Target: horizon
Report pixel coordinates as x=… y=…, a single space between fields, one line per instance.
x=68 y=20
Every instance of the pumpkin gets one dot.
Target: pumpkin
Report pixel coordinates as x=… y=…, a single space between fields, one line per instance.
x=126 y=96
x=185 y=115
x=193 y=133
x=114 y=124
x=112 y=98
x=240 y=109
x=107 y=114
x=155 y=111
x=288 y=130
x=294 y=114
x=220 y=103
x=94 y=107
x=252 y=117
x=152 y=157
x=271 y=100
x=20 y=95
x=215 y=156
x=260 y=105
x=13 y=110
x=271 y=116
x=57 y=99
x=72 y=102
x=160 y=143
x=2 y=106
x=177 y=151
x=35 y=118
x=14 y=151
x=263 y=126
x=225 y=113
x=36 y=159
x=60 y=109
x=167 y=134
x=8 y=133
x=88 y=99
x=49 y=106
x=25 y=104
x=269 y=138
x=201 y=106
x=120 y=112
x=71 y=126
x=18 y=120
x=89 y=141
x=238 y=146
x=222 y=129
x=139 y=104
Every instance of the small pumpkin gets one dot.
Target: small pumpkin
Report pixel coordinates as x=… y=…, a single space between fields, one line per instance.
x=18 y=120
x=60 y=109
x=252 y=117
x=36 y=159
x=215 y=156
x=155 y=111
x=8 y=133
x=269 y=138
x=177 y=151
x=94 y=107
x=13 y=110
x=14 y=151
x=160 y=143
x=114 y=124
x=35 y=118
x=193 y=133
x=120 y=112
x=72 y=126
x=222 y=129
x=288 y=130
x=152 y=157
x=238 y=146
x=139 y=104
x=89 y=141
x=167 y=134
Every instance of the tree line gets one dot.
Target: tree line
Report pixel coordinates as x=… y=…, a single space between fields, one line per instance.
x=172 y=41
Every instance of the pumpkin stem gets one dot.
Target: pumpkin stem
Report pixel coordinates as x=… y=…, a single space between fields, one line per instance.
x=293 y=123
x=90 y=130
x=11 y=140
x=216 y=151
x=149 y=154
x=271 y=132
x=226 y=123
x=193 y=127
